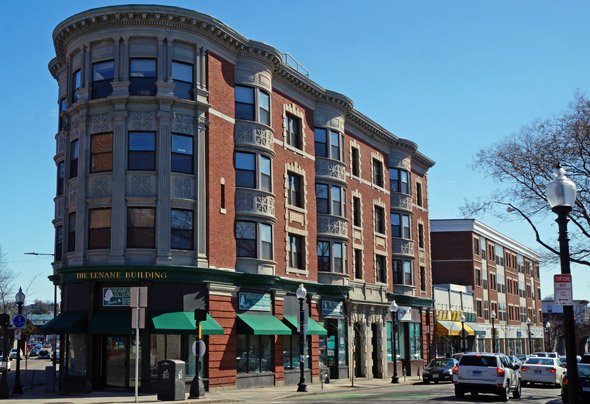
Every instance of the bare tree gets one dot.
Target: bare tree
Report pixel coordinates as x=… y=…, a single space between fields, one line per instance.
x=7 y=284
x=524 y=163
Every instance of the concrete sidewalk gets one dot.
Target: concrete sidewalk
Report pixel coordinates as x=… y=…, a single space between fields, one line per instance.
x=36 y=393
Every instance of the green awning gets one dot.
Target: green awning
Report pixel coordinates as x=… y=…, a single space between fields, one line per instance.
x=69 y=322
x=183 y=322
x=261 y=325
x=313 y=327
x=111 y=322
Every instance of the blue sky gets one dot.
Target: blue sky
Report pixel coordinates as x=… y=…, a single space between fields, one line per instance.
x=453 y=76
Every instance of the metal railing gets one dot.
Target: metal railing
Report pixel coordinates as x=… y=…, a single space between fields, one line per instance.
x=294 y=64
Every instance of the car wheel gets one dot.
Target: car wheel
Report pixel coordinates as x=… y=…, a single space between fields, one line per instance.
x=426 y=381
x=459 y=393
x=517 y=392
x=505 y=394
x=475 y=394
x=436 y=382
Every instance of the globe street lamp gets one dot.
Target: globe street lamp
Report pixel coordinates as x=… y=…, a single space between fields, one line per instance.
x=301 y=294
x=528 y=325
x=548 y=333
x=462 y=332
x=561 y=195
x=393 y=308
x=493 y=317
x=18 y=389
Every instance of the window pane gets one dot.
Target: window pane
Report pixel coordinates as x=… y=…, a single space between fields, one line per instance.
x=406 y=226
x=246 y=239
x=142 y=141
x=265 y=175
x=141 y=217
x=266 y=364
x=394 y=179
x=335 y=145
x=103 y=70
x=336 y=201
x=321 y=148
x=181 y=223
x=77 y=79
x=99 y=218
x=396 y=228
x=143 y=67
x=245 y=170
x=266 y=241
x=245 y=161
x=242 y=354
x=408 y=273
x=182 y=72
x=405 y=179
x=264 y=107
x=323 y=256
x=182 y=144
x=338 y=263
x=321 y=192
x=244 y=94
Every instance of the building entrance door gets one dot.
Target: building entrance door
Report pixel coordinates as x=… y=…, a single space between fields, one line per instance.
x=117 y=361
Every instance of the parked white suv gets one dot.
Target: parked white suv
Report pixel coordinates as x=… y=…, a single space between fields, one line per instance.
x=486 y=373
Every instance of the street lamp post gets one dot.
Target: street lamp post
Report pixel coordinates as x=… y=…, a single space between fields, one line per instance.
x=301 y=294
x=493 y=317
x=393 y=308
x=561 y=195
x=18 y=389
x=4 y=390
x=548 y=333
x=528 y=325
x=463 y=332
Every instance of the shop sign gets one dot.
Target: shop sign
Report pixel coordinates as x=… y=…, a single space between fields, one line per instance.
x=255 y=301
x=408 y=314
x=331 y=308
x=116 y=297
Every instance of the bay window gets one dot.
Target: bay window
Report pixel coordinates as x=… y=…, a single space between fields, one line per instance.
x=330 y=200
x=400 y=225
x=403 y=272
x=141 y=227
x=253 y=171
x=254 y=240
x=181 y=229
x=246 y=99
x=142 y=76
x=182 y=77
x=332 y=257
x=142 y=151
x=102 y=77
x=99 y=228
x=182 y=154
x=399 y=180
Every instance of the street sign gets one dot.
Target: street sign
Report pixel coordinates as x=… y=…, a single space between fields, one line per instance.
x=135 y=321
x=202 y=348
x=138 y=296
x=19 y=321
x=562 y=288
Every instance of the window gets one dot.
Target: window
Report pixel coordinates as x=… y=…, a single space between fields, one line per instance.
x=102 y=77
x=358 y=264
x=294 y=190
x=142 y=76
x=356 y=162
x=61 y=174
x=74 y=152
x=379 y=219
x=378 y=173
x=101 y=152
x=420 y=235
x=419 y=200
x=246 y=171
x=332 y=257
x=334 y=195
x=295 y=252
x=476 y=245
x=321 y=142
x=263 y=107
x=422 y=278
x=182 y=76
x=63 y=106
x=245 y=104
x=76 y=85
x=478 y=276
x=181 y=229
x=486 y=310
x=402 y=272
x=400 y=225
x=182 y=154
x=381 y=268
x=399 y=180
x=293 y=128
x=356 y=211
x=254 y=353
x=59 y=237
x=483 y=248
x=291 y=355
x=141 y=227
x=72 y=231
x=99 y=228
x=478 y=308
x=142 y=151
x=247 y=236
x=335 y=146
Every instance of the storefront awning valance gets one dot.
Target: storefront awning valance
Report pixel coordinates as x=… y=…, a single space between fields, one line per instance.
x=111 y=322
x=313 y=327
x=479 y=330
x=448 y=328
x=261 y=325
x=69 y=322
x=183 y=322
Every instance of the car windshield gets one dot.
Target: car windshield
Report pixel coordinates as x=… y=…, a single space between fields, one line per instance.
x=584 y=370
x=437 y=363
x=540 y=361
x=478 y=361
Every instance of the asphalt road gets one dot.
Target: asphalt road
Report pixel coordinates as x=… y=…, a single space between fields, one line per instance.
x=439 y=393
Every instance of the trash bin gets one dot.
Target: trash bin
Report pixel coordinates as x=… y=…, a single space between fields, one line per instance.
x=171 y=383
x=49 y=379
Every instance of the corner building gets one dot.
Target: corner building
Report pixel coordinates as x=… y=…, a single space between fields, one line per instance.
x=200 y=164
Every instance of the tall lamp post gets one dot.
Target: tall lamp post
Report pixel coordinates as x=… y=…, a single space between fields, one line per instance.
x=493 y=317
x=301 y=294
x=4 y=390
x=561 y=195
x=548 y=333
x=528 y=326
x=393 y=308
x=18 y=389
x=463 y=332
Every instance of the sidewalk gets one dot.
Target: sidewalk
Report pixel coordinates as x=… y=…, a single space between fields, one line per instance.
x=36 y=393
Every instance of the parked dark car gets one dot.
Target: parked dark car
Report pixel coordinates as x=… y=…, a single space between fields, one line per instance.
x=583 y=383
x=44 y=354
x=439 y=369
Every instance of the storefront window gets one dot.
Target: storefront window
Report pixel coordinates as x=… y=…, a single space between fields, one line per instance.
x=415 y=340
x=291 y=352
x=342 y=342
x=400 y=345
x=77 y=355
x=164 y=347
x=389 y=347
x=254 y=353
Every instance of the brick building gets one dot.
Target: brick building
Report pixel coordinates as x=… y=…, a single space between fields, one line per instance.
x=198 y=163
x=503 y=276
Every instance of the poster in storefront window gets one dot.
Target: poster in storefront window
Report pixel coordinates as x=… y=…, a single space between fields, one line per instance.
x=341 y=342
x=116 y=297
x=255 y=301
x=331 y=308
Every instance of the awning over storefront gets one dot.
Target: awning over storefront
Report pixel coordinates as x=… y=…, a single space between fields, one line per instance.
x=69 y=322
x=479 y=330
x=261 y=325
x=313 y=327
x=111 y=322
x=183 y=322
x=448 y=328
x=469 y=330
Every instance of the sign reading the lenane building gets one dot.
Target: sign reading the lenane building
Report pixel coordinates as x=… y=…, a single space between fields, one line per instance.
x=116 y=297
x=255 y=301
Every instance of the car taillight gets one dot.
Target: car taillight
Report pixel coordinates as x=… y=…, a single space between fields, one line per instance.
x=565 y=381
x=500 y=372
x=456 y=369
x=523 y=369
x=552 y=370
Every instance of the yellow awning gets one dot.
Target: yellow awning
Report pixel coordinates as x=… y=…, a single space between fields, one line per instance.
x=452 y=328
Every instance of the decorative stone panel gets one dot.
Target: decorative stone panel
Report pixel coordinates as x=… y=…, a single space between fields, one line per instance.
x=72 y=194
x=101 y=123
x=99 y=186
x=329 y=225
x=254 y=134
x=143 y=121
x=252 y=201
x=75 y=128
x=401 y=201
x=59 y=207
x=331 y=169
x=61 y=144
x=183 y=123
x=141 y=185
x=333 y=278
x=183 y=188
x=403 y=247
